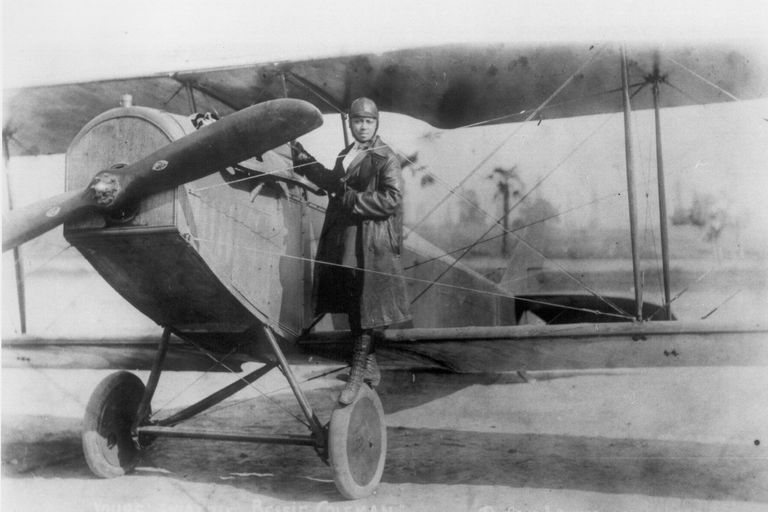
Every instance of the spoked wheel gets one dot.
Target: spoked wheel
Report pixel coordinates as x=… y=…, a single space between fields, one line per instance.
x=107 y=444
x=357 y=445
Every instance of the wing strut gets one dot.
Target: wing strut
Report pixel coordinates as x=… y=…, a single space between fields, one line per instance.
x=322 y=95
x=663 y=223
x=18 y=263
x=631 y=187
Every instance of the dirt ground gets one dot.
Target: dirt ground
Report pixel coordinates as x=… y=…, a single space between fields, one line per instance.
x=658 y=439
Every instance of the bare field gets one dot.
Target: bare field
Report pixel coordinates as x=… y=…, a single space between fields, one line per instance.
x=671 y=439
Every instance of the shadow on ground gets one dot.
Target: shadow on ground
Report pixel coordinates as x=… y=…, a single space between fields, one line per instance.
x=685 y=470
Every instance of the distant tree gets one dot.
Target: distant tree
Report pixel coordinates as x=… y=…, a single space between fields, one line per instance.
x=411 y=162
x=508 y=185
x=710 y=214
x=468 y=214
x=536 y=211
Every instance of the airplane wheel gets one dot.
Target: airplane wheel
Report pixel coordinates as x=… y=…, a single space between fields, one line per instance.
x=107 y=443
x=357 y=445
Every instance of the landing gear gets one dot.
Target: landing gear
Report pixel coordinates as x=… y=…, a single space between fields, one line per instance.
x=117 y=424
x=357 y=444
x=107 y=427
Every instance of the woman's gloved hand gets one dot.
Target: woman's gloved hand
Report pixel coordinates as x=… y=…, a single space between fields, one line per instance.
x=307 y=166
x=300 y=157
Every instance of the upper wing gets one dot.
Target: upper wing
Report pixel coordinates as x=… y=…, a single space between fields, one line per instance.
x=44 y=120
x=446 y=86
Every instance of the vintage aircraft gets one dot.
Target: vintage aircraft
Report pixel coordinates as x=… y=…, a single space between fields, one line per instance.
x=211 y=234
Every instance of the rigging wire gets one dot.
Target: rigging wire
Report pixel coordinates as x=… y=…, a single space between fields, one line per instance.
x=648 y=179
x=488 y=214
x=686 y=289
x=548 y=107
x=238 y=220
x=526 y=243
x=497 y=222
x=708 y=82
x=233 y=403
x=736 y=99
x=312 y=88
x=188 y=387
x=499 y=293
x=677 y=296
x=505 y=141
x=466 y=289
x=480 y=209
x=683 y=93
x=250 y=384
x=721 y=304
x=42 y=265
x=84 y=288
x=543 y=107
x=257 y=175
x=512 y=230
x=657 y=244
x=649 y=232
x=476 y=206
x=181 y=87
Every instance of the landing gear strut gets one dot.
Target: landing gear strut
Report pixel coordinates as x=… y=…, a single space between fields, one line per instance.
x=117 y=425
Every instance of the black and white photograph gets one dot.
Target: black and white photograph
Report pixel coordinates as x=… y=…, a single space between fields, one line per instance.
x=493 y=256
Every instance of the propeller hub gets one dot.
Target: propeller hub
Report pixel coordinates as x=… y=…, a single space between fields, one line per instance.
x=105 y=187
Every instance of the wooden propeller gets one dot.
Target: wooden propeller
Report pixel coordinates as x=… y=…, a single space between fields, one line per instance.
x=236 y=137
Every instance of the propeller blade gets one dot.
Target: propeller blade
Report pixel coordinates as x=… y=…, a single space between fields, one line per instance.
x=236 y=137
x=24 y=224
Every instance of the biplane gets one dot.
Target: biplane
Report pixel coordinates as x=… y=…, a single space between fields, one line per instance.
x=209 y=232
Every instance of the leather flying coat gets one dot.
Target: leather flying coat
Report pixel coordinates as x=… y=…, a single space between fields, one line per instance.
x=370 y=208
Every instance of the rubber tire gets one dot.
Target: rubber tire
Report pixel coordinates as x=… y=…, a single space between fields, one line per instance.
x=109 y=450
x=357 y=445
